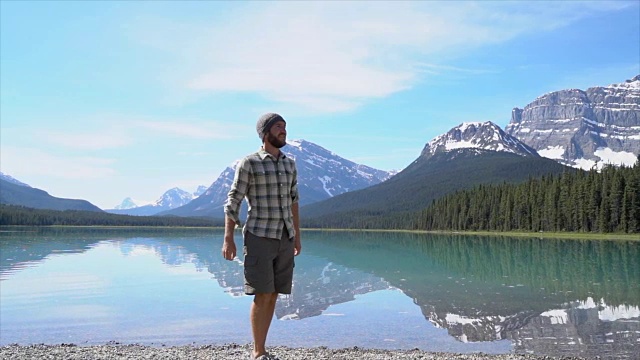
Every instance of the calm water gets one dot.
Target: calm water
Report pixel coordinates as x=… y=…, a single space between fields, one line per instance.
x=375 y=290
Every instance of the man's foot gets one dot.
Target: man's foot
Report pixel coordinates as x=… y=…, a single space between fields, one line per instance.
x=267 y=356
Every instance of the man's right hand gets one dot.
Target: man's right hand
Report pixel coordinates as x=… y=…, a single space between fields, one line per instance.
x=229 y=247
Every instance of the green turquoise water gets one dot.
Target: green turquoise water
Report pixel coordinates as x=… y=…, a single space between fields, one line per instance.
x=366 y=289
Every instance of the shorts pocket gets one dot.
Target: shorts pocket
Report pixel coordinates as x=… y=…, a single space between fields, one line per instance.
x=250 y=260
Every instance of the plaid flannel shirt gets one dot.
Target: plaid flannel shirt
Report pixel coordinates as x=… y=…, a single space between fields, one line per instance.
x=270 y=186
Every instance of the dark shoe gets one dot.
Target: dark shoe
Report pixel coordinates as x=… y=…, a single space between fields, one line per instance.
x=267 y=356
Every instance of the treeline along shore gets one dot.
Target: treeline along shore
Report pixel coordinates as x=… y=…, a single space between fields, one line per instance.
x=24 y=216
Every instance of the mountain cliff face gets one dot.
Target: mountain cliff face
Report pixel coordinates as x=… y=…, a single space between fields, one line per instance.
x=583 y=128
x=321 y=174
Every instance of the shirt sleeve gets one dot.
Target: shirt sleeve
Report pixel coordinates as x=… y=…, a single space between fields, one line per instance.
x=238 y=191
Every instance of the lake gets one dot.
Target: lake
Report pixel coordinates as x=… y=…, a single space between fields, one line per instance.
x=450 y=293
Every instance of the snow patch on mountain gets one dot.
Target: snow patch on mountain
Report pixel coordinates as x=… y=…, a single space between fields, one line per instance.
x=633 y=84
x=11 y=179
x=609 y=312
x=556 y=316
x=325 y=180
x=552 y=152
x=606 y=157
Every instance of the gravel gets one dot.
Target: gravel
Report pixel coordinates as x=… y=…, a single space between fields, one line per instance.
x=232 y=352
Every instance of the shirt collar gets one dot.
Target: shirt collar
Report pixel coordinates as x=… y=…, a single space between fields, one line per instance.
x=264 y=154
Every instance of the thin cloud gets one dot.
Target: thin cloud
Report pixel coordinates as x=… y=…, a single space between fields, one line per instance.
x=435 y=69
x=194 y=131
x=26 y=162
x=117 y=132
x=336 y=56
x=98 y=140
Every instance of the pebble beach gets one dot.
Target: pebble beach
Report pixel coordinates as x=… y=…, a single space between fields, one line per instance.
x=233 y=352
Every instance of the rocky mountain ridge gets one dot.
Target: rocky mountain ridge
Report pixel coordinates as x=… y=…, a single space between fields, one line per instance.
x=583 y=128
x=14 y=192
x=12 y=180
x=476 y=135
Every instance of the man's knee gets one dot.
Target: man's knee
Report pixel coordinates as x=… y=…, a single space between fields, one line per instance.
x=265 y=298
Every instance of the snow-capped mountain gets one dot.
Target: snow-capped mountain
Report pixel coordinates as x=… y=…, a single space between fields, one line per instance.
x=476 y=135
x=11 y=179
x=321 y=174
x=583 y=129
x=127 y=203
x=171 y=199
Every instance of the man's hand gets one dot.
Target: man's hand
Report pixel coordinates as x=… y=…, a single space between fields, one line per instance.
x=297 y=245
x=229 y=247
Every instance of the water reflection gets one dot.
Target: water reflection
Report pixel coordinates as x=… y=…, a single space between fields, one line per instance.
x=539 y=293
x=549 y=297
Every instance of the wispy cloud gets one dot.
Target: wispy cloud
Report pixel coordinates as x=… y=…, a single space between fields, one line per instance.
x=27 y=162
x=336 y=56
x=98 y=140
x=210 y=130
x=123 y=131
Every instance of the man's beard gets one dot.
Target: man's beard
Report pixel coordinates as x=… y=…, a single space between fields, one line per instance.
x=275 y=142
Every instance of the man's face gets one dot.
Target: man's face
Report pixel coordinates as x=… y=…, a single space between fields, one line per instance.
x=277 y=135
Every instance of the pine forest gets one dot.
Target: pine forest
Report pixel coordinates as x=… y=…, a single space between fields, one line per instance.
x=581 y=201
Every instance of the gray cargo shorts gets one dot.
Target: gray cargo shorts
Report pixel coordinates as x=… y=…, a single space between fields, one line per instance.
x=268 y=264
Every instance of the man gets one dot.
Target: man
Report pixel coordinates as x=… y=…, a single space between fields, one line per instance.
x=269 y=181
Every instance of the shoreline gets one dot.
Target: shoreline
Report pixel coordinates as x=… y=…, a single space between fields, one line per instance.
x=537 y=235
x=232 y=351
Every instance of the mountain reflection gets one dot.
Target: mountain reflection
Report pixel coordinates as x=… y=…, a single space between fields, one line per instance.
x=549 y=297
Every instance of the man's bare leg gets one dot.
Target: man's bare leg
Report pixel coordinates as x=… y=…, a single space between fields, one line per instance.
x=262 y=310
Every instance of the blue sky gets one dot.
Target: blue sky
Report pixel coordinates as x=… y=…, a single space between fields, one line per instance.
x=102 y=100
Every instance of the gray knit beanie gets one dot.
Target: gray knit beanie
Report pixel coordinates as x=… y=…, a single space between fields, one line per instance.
x=266 y=121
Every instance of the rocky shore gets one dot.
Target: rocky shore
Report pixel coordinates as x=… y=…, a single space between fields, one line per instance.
x=232 y=352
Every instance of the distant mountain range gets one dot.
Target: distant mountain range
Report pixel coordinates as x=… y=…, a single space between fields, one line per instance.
x=576 y=128
x=171 y=199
